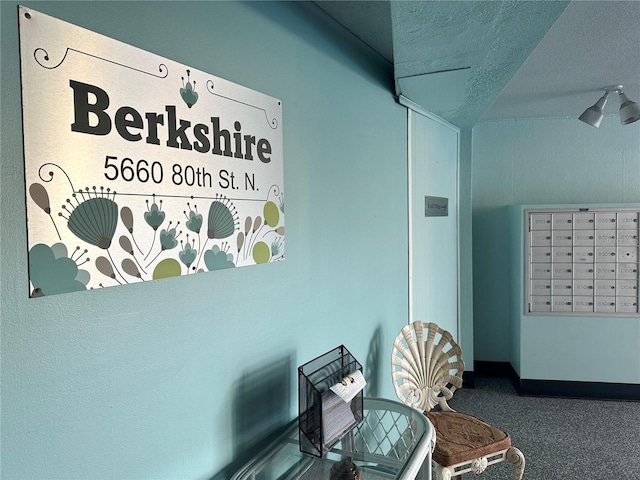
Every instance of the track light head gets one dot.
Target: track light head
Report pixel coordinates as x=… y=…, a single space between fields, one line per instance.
x=629 y=111
x=593 y=114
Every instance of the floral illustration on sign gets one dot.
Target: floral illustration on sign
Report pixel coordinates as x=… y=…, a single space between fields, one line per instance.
x=52 y=270
x=188 y=93
x=95 y=217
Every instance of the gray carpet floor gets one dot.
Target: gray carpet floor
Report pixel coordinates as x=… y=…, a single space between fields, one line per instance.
x=561 y=438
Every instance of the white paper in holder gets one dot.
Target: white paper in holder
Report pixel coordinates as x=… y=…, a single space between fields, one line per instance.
x=350 y=386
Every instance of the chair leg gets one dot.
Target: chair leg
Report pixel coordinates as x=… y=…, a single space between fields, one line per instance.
x=443 y=473
x=516 y=457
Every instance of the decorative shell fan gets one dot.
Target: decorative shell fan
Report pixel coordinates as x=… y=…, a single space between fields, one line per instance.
x=426 y=366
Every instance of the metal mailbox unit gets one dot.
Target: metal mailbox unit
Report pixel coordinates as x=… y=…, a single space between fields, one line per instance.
x=582 y=261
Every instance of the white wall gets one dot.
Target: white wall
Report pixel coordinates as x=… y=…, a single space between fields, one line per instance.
x=434 y=160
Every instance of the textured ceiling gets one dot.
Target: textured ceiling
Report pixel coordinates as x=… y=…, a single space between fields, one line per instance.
x=491 y=39
x=591 y=46
x=484 y=60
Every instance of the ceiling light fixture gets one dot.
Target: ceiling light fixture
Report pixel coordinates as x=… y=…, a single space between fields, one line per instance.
x=629 y=111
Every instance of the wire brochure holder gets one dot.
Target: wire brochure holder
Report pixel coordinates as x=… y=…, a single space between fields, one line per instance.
x=330 y=398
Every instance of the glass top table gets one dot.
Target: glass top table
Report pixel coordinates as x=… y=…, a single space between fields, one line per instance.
x=393 y=441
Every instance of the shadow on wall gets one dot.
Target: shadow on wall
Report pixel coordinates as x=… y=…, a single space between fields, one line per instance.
x=261 y=411
x=491 y=286
x=262 y=404
x=372 y=366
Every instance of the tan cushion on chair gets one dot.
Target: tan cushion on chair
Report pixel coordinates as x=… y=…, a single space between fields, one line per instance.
x=461 y=438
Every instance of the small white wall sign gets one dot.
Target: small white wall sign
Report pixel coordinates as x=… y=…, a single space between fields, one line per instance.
x=139 y=168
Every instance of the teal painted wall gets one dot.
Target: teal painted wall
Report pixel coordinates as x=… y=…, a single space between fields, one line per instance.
x=567 y=348
x=179 y=377
x=538 y=161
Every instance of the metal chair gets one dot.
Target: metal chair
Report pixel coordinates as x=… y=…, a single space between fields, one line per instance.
x=427 y=369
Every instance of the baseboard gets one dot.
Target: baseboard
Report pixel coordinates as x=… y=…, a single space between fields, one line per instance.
x=468 y=379
x=573 y=389
x=494 y=369
x=486 y=369
x=558 y=388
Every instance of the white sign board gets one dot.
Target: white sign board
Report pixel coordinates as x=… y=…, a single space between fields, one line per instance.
x=139 y=168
